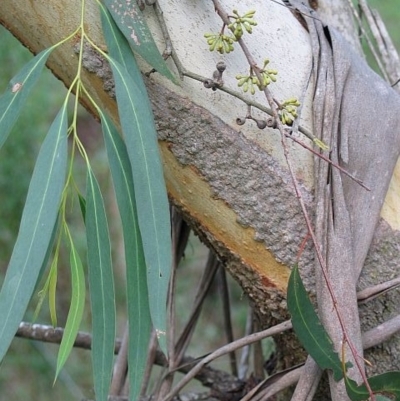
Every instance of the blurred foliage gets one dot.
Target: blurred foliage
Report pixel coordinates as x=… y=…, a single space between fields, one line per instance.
x=390 y=13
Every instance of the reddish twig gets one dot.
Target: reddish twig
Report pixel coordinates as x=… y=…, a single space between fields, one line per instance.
x=324 y=158
x=253 y=65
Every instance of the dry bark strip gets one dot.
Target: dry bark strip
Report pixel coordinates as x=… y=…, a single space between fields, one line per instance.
x=352 y=116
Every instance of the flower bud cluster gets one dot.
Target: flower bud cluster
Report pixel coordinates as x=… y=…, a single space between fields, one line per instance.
x=288 y=111
x=220 y=42
x=242 y=22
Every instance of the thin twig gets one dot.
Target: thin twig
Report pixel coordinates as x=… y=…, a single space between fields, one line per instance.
x=168 y=377
x=281 y=380
x=151 y=357
x=244 y=99
x=120 y=365
x=324 y=158
x=372 y=292
x=253 y=65
x=381 y=333
x=258 y=357
x=224 y=291
x=205 y=374
x=50 y=334
x=225 y=350
x=244 y=357
x=169 y=50
x=202 y=291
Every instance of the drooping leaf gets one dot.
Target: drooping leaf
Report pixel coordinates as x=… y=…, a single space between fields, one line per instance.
x=36 y=228
x=101 y=286
x=42 y=294
x=119 y=49
x=131 y=22
x=139 y=319
x=388 y=382
x=82 y=205
x=308 y=327
x=49 y=251
x=53 y=291
x=380 y=397
x=19 y=88
x=150 y=192
x=75 y=311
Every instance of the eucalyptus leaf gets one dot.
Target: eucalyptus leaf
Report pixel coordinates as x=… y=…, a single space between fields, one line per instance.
x=75 y=311
x=388 y=382
x=308 y=327
x=150 y=192
x=139 y=319
x=380 y=397
x=53 y=276
x=19 y=88
x=44 y=291
x=101 y=286
x=119 y=49
x=130 y=20
x=37 y=223
x=82 y=206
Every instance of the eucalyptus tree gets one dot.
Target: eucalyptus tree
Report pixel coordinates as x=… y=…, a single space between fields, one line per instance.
x=278 y=145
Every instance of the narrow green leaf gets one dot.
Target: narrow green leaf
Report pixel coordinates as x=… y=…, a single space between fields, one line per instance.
x=19 y=88
x=119 y=49
x=101 y=286
x=380 y=397
x=42 y=294
x=308 y=327
x=35 y=232
x=139 y=319
x=130 y=20
x=388 y=382
x=355 y=392
x=82 y=205
x=53 y=276
x=151 y=196
x=49 y=251
x=75 y=311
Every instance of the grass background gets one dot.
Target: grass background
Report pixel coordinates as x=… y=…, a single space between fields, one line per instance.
x=28 y=369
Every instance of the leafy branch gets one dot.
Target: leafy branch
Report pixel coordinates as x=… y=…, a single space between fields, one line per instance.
x=137 y=173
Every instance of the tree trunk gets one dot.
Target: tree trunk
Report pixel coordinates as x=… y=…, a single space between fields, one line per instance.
x=230 y=182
